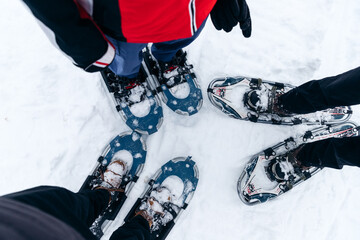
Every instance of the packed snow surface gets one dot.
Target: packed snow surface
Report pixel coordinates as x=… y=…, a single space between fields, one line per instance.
x=180 y=91
x=125 y=157
x=175 y=185
x=56 y=119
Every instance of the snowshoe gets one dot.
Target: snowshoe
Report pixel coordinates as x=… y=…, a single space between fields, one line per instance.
x=167 y=195
x=274 y=171
x=255 y=100
x=140 y=109
x=130 y=149
x=175 y=82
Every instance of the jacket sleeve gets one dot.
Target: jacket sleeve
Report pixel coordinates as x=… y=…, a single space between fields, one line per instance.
x=74 y=32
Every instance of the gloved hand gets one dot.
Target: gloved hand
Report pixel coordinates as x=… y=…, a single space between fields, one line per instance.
x=226 y=14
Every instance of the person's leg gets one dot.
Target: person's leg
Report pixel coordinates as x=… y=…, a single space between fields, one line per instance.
x=165 y=51
x=136 y=229
x=330 y=92
x=71 y=208
x=332 y=153
x=128 y=58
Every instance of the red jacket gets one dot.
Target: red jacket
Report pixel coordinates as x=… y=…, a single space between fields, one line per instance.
x=78 y=27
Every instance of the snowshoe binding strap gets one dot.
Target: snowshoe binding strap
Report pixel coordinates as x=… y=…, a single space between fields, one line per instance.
x=255 y=83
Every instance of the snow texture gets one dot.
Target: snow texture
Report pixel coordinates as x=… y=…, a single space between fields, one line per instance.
x=287 y=168
x=176 y=186
x=56 y=119
x=236 y=96
x=125 y=157
x=263 y=102
x=140 y=108
x=158 y=197
x=261 y=178
x=180 y=91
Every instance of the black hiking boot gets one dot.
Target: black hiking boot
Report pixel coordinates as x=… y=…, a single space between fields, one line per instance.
x=283 y=168
x=173 y=73
x=266 y=101
x=129 y=90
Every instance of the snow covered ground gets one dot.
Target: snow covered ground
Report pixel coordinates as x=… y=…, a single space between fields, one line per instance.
x=55 y=120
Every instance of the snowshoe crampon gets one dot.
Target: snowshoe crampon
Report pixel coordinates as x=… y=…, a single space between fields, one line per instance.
x=129 y=147
x=230 y=95
x=135 y=102
x=256 y=185
x=180 y=91
x=180 y=176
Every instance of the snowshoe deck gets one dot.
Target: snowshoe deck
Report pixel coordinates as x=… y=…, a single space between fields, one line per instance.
x=133 y=143
x=227 y=94
x=255 y=186
x=186 y=170
x=187 y=103
x=144 y=117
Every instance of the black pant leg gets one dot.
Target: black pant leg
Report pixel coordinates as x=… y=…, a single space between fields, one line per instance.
x=136 y=229
x=332 y=153
x=78 y=210
x=330 y=92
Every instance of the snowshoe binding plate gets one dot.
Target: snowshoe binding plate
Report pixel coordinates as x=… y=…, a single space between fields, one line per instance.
x=179 y=90
x=138 y=107
x=233 y=97
x=184 y=176
x=257 y=184
x=129 y=147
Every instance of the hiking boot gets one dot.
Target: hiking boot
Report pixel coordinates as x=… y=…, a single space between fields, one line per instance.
x=173 y=73
x=158 y=209
x=112 y=177
x=266 y=101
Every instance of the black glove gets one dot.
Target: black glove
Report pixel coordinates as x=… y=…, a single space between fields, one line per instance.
x=226 y=14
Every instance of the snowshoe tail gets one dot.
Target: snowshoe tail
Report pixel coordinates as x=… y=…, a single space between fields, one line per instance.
x=251 y=186
x=133 y=143
x=183 y=168
x=217 y=90
x=188 y=105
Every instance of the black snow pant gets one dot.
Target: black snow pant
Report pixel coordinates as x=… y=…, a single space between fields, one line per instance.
x=330 y=92
x=332 y=153
x=316 y=95
x=79 y=210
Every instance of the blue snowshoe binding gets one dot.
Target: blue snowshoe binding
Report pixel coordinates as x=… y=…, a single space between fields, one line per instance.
x=168 y=194
x=175 y=82
x=255 y=100
x=275 y=171
x=140 y=109
x=130 y=148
